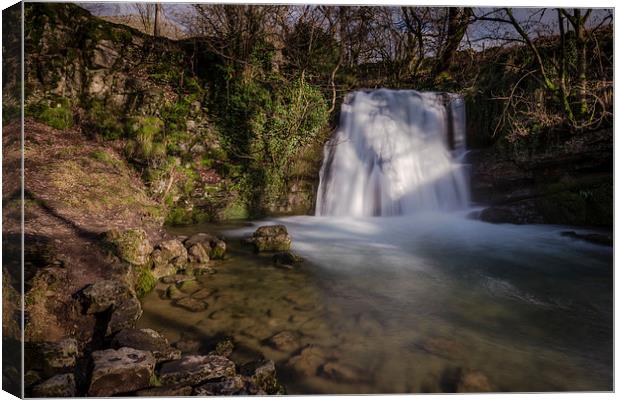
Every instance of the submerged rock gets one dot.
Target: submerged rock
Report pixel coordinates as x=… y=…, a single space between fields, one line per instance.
x=103 y=295
x=596 y=238
x=174 y=278
x=285 y=341
x=120 y=371
x=173 y=293
x=56 y=386
x=287 y=259
x=271 y=238
x=188 y=286
x=340 y=372
x=308 y=361
x=191 y=304
x=147 y=340
x=193 y=370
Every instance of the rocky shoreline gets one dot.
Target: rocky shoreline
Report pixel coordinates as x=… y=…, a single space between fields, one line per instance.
x=124 y=360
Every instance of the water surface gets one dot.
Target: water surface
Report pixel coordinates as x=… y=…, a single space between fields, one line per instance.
x=405 y=304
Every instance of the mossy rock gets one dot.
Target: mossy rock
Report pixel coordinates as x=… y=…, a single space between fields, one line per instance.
x=145 y=281
x=131 y=245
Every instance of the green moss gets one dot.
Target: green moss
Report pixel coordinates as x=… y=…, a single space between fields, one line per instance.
x=235 y=210
x=131 y=245
x=102 y=120
x=144 y=282
x=56 y=113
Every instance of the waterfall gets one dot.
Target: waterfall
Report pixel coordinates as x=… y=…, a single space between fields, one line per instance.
x=395 y=152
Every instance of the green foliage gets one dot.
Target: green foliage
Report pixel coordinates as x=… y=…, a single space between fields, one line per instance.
x=145 y=141
x=56 y=113
x=102 y=121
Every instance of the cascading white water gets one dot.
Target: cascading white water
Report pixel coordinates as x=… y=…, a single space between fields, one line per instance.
x=395 y=152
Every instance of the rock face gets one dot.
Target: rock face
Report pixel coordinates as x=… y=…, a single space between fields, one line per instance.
x=57 y=386
x=147 y=340
x=103 y=295
x=271 y=238
x=193 y=370
x=570 y=184
x=120 y=371
x=131 y=245
x=211 y=245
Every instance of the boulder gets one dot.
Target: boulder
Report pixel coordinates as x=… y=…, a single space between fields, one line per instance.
x=52 y=357
x=124 y=315
x=214 y=247
x=120 y=371
x=131 y=245
x=161 y=267
x=191 y=304
x=165 y=391
x=103 y=295
x=198 y=254
x=147 y=340
x=202 y=294
x=286 y=259
x=56 y=386
x=271 y=238
x=285 y=341
x=193 y=370
x=262 y=373
x=174 y=251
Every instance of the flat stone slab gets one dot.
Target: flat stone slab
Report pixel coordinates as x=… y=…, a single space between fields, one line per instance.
x=147 y=340
x=120 y=371
x=193 y=370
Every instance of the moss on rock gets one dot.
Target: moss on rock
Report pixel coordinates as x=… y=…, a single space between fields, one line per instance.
x=131 y=245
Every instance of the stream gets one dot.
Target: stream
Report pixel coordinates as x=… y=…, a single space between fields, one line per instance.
x=410 y=303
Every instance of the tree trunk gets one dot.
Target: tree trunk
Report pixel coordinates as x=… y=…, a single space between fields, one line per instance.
x=458 y=21
x=156 y=20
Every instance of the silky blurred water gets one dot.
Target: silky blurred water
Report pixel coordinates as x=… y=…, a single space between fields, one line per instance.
x=398 y=304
